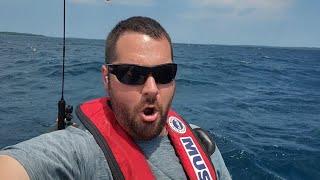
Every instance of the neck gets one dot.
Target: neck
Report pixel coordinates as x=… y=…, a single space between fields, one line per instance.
x=164 y=132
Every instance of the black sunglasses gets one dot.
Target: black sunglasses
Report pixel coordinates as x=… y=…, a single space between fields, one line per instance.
x=132 y=74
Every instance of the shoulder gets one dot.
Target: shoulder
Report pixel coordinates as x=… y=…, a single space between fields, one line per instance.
x=55 y=140
x=65 y=154
x=62 y=141
x=216 y=158
x=219 y=164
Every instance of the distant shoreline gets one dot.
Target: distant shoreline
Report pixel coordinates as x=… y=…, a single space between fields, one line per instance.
x=249 y=46
x=21 y=34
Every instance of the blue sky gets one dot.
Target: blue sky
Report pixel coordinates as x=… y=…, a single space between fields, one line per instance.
x=232 y=22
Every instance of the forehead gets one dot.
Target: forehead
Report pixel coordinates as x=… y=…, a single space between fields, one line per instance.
x=141 y=49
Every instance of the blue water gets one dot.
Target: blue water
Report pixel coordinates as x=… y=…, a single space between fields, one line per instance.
x=261 y=104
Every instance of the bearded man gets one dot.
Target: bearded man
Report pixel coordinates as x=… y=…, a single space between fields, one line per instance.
x=133 y=133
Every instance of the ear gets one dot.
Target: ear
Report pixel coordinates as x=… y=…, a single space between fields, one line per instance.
x=105 y=79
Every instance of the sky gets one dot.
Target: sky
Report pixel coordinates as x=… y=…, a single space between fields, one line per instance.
x=290 y=23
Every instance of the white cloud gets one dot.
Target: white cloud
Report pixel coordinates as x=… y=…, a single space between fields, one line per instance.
x=84 y=1
x=116 y=2
x=238 y=8
x=134 y=2
x=240 y=4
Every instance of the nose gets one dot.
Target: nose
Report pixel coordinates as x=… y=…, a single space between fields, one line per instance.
x=150 y=87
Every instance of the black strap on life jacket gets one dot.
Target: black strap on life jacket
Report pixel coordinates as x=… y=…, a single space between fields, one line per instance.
x=205 y=140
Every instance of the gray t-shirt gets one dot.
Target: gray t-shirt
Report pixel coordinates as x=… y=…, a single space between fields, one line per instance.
x=74 y=154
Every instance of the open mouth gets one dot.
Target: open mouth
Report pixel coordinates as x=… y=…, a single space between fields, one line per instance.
x=148 y=111
x=149 y=114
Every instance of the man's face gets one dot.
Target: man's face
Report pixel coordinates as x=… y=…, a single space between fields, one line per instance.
x=141 y=110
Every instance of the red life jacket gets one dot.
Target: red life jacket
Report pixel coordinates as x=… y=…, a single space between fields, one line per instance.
x=126 y=160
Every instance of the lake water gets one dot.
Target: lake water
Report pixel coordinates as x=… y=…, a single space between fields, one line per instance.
x=261 y=104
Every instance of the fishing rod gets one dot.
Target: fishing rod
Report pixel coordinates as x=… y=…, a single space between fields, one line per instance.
x=64 y=113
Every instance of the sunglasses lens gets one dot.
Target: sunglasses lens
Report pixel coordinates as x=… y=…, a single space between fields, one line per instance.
x=164 y=74
x=137 y=75
x=129 y=74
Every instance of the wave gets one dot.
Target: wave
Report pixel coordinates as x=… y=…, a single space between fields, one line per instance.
x=190 y=82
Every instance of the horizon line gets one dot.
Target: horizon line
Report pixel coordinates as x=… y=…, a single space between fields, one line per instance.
x=243 y=45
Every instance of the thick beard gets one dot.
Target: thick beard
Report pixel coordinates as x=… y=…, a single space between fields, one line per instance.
x=134 y=126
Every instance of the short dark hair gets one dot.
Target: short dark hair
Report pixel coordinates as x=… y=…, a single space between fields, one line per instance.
x=139 y=24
